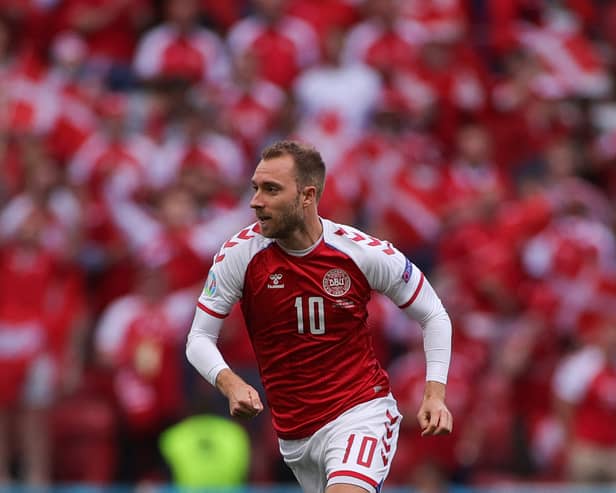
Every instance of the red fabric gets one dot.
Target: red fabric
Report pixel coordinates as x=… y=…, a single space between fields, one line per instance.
x=66 y=137
x=234 y=341
x=34 y=22
x=390 y=52
x=249 y=120
x=84 y=440
x=27 y=276
x=408 y=377
x=598 y=408
x=28 y=307
x=356 y=377
x=503 y=15
x=146 y=382
x=182 y=266
x=403 y=232
x=223 y=14
x=324 y=15
x=116 y=39
x=12 y=381
x=271 y=45
x=181 y=59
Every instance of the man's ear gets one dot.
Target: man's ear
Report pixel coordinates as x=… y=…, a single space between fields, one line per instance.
x=310 y=195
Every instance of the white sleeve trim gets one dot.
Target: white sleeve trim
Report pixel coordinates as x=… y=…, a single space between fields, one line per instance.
x=427 y=309
x=201 y=348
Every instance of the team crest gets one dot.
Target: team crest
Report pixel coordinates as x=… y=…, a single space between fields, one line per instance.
x=336 y=282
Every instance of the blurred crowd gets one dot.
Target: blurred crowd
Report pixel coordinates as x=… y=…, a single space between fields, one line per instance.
x=479 y=136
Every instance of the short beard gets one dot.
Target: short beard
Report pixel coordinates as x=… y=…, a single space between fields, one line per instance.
x=291 y=220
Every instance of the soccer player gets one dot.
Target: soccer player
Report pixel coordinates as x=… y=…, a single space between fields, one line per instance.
x=303 y=283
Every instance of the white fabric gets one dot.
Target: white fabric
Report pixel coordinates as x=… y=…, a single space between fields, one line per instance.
x=351 y=91
x=428 y=310
x=39 y=389
x=319 y=461
x=574 y=374
x=201 y=349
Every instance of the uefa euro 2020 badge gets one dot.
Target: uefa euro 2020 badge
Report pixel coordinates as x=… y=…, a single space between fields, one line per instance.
x=210 y=284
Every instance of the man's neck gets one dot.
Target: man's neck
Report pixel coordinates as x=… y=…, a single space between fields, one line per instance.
x=305 y=237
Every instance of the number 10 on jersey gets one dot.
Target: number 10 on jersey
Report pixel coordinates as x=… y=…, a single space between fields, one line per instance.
x=315 y=308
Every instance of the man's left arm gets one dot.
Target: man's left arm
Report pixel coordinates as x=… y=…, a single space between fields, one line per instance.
x=426 y=307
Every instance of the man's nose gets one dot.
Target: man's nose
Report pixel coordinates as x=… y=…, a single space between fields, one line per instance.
x=255 y=201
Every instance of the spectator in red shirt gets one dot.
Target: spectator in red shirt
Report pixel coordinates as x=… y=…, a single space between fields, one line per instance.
x=139 y=338
x=284 y=45
x=180 y=48
x=110 y=27
x=584 y=386
x=38 y=307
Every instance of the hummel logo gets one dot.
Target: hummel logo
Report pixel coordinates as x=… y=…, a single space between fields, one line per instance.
x=275 y=278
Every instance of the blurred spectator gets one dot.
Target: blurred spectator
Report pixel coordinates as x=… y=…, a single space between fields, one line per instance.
x=383 y=40
x=583 y=385
x=480 y=137
x=34 y=20
x=474 y=180
x=140 y=338
x=348 y=90
x=110 y=29
x=415 y=454
x=251 y=106
x=41 y=301
x=335 y=101
x=435 y=20
x=180 y=48
x=163 y=237
x=448 y=76
x=283 y=45
x=222 y=15
x=198 y=156
x=570 y=64
x=325 y=15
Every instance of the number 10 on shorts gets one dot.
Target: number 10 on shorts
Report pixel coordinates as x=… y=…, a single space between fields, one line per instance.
x=362 y=451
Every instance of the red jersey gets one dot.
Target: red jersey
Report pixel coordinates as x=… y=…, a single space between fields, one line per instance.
x=306 y=318
x=587 y=381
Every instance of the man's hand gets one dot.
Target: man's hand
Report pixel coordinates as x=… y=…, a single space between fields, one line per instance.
x=244 y=400
x=433 y=416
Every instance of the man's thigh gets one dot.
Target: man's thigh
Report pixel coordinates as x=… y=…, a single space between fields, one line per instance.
x=345 y=488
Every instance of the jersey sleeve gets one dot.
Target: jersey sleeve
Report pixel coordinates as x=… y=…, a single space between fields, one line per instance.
x=391 y=273
x=386 y=269
x=223 y=286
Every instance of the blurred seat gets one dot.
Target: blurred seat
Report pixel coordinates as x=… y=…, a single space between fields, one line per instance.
x=84 y=440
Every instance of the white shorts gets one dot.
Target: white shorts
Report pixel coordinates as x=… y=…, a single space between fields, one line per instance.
x=356 y=448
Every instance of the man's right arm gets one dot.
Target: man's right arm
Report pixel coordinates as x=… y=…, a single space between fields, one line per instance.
x=204 y=355
x=201 y=348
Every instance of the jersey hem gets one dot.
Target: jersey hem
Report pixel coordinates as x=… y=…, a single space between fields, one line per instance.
x=310 y=430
